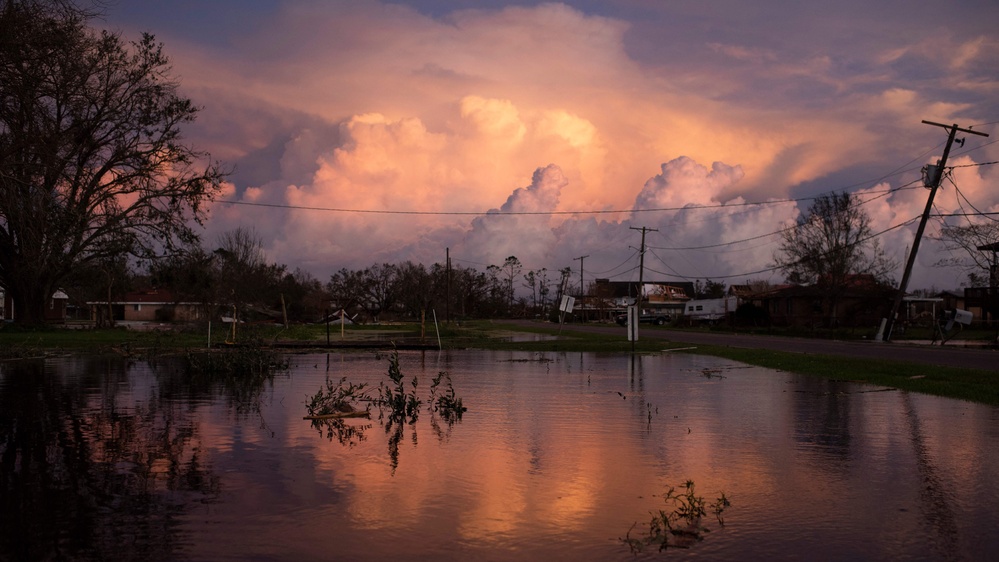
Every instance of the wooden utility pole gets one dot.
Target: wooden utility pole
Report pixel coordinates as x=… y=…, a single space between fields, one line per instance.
x=641 y=262
x=635 y=310
x=447 y=274
x=936 y=178
x=582 y=290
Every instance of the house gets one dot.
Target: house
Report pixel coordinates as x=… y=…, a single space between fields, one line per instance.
x=863 y=302
x=610 y=298
x=983 y=303
x=55 y=312
x=151 y=305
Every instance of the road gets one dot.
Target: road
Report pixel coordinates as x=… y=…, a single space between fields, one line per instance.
x=949 y=355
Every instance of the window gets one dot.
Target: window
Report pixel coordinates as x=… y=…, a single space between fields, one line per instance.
x=136 y=307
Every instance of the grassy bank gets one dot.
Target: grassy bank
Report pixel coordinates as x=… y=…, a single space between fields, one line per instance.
x=964 y=384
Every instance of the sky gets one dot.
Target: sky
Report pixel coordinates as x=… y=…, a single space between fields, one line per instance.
x=364 y=132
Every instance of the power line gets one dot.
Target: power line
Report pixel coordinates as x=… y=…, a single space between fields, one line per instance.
x=776 y=268
x=794 y=226
x=974 y=165
x=503 y=213
x=544 y=213
x=618 y=266
x=986 y=214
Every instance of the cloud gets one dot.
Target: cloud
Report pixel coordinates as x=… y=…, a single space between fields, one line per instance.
x=439 y=116
x=522 y=226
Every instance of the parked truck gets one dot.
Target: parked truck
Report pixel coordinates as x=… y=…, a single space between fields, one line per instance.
x=710 y=310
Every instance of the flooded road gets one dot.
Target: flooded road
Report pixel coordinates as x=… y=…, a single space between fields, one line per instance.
x=560 y=456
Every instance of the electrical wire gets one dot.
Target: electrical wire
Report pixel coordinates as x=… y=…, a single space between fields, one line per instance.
x=555 y=213
x=961 y=196
x=973 y=165
x=775 y=268
x=794 y=226
x=618 y=266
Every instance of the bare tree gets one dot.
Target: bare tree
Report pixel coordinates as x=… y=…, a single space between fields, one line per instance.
x=346 y=289
x=979 y=265
x=92 y=164
x=511 y=269
x=242 y=273
x=831 y=246
x=378 y=289
x=531 y=282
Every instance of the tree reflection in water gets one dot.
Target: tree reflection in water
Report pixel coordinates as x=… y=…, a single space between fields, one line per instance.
x=344 y=432
x=92 y=470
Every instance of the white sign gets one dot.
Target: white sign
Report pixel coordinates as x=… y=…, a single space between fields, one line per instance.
x=567 y=303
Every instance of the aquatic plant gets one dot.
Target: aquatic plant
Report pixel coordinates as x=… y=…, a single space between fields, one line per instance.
x=443 y=399
x=339 y=399
x=401 y=403
x=236 y=361
x=398 y=406
x=681 y=526
x=240 y=373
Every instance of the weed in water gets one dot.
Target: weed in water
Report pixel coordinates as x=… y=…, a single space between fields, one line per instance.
x=398 y=405
x=237 y=361
x=443 y=400
x=240 y=373
x=339 y=399
x=401 y=404
x=681 y=526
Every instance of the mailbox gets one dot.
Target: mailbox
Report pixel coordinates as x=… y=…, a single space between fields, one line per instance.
x=962 y=317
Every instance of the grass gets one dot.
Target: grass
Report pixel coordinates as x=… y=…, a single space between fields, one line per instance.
x=964 y=384
x=16 y=342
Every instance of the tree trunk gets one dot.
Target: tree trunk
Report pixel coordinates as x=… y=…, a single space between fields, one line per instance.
x=30 y=301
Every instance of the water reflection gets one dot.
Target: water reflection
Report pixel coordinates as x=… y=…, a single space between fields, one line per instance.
x=90 y=469
x=938 y=515
x=557 y=456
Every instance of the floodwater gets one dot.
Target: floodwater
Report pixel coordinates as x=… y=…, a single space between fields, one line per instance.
x=559 y=457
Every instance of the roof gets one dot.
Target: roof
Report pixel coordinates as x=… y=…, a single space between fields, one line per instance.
x=149 y=296
x=630 y=288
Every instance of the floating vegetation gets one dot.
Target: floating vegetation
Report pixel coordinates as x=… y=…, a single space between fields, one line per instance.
x=681 y=525
x=338 y=400
x=236 y=361
x=397 y=402
x=712 y=373
x=240 y=373
x=20 y=351
x=330 y=406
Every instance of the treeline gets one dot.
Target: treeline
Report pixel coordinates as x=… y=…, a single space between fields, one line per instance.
x=234 y=278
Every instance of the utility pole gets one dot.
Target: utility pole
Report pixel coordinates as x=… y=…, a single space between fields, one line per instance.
x=936 y=177
x=641 y=262
x=447 y=273
x=581 y=258
x=635 y=310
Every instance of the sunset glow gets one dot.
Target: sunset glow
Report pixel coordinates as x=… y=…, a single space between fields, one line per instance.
x=383 y=132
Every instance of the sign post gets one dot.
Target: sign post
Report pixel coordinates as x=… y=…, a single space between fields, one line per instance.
x=633 y=323
x=564 y=307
